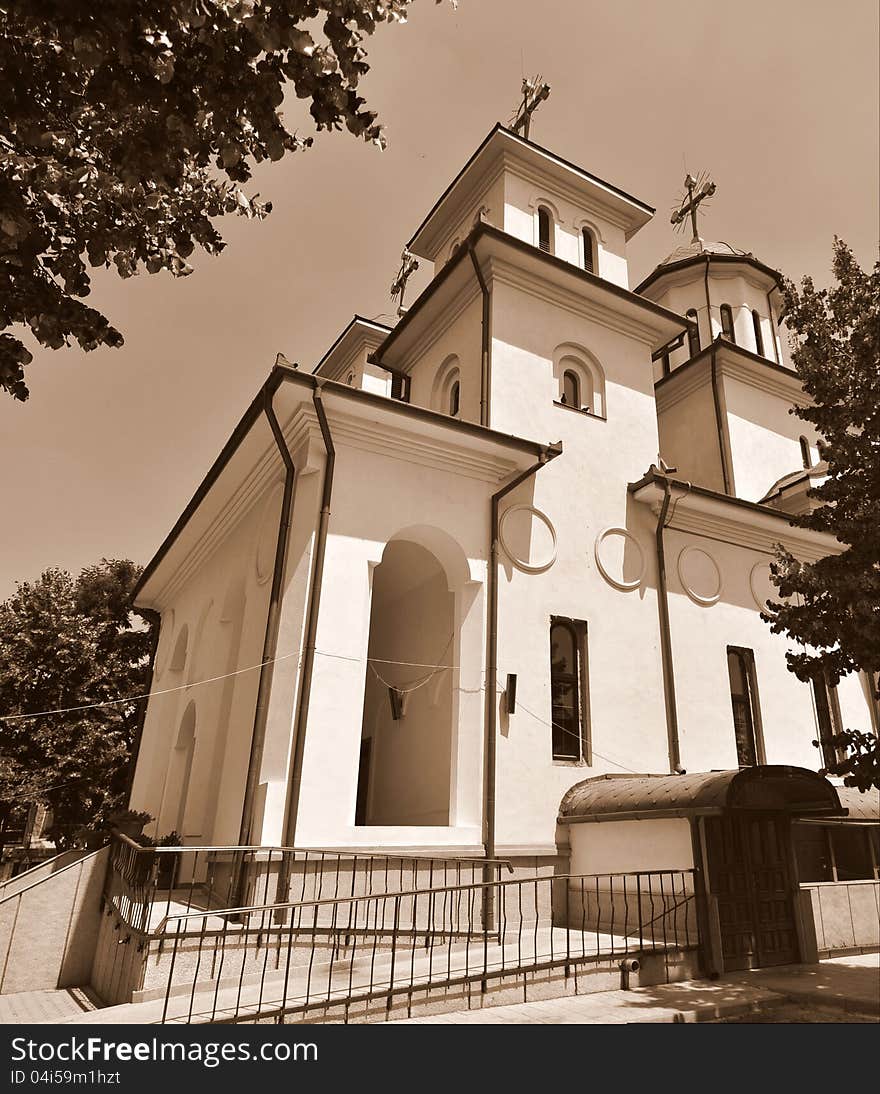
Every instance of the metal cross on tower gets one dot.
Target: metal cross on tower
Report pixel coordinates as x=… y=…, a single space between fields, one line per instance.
x=408 y=266
x=698 y=190
x=534 y=92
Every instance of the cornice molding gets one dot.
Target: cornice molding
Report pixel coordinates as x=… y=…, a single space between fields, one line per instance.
x=538 y=286
x=758 y=375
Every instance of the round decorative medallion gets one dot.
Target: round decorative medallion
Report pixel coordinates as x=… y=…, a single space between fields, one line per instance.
x=699 y=576
x=620 y=558
x=528 y=538
x=267 y=538
x=762 y=586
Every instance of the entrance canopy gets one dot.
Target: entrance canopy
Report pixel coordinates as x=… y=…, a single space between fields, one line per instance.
x=791 y=790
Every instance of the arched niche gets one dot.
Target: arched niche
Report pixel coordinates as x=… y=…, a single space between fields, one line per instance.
x=425 y=622
x=181 y=645
x=572 y=358
x=444 y=387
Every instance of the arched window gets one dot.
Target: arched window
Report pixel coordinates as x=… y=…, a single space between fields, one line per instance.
x=693 y=332
x=571 y=389
x=744 y=700
x=589 y=251
x=759 y=337
x=545 y=229
x=455 y=398
x=806 y=455
x=569 y=690
x=727 y=323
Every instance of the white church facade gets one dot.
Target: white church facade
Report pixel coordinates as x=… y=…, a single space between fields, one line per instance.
x=489 y=581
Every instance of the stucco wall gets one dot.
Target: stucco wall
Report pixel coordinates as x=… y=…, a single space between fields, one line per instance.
x=689 y=434
x=614 y=846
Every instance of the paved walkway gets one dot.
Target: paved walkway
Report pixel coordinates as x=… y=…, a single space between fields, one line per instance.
x=43 y=1006
x=845 y=983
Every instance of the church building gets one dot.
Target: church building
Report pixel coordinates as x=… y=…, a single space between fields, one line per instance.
x=489 y=581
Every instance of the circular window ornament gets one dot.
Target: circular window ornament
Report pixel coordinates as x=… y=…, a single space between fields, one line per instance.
x=762 y=587
x=528 y=538
x=267 y=537
x=699 y=575
x=610 y=550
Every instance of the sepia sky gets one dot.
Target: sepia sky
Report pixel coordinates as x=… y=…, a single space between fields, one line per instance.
x=777 y=98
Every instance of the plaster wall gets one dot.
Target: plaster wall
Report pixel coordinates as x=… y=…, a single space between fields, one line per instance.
x=223 y=710
x=700 y=636
x=689 y=435
x=581 y=493
x=523 y=196
x=764 y=437
x=379 y=496
x=614 y=846
x=458 y=334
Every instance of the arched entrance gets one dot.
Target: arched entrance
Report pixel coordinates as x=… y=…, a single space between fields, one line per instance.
x=410 y=697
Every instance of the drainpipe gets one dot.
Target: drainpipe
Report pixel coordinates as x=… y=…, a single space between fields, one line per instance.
x=273 y=621
x=547 y=454
x=774 y=329
x=719 y=419
x=665 y=638
x=485 y=346
x=305 y=691
x=155 y=620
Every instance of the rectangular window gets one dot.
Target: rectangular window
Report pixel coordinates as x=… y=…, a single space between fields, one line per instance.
x=812 y=848
x=569 y=690
x=828 y=719
x=744 y=701
x=852 y=852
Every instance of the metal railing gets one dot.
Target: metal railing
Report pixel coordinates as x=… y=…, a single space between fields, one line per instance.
x=146 y=884
x=289 y=960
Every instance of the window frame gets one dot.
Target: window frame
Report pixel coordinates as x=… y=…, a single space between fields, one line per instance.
x=693 y=333
x=806 y=454
x=759 y=334
x=728 y=330
x=590 y=250
x=820 y=685
x=750 y=677
x=579 y=631
x=545 y=214
x=576 y=404
x=454 y=405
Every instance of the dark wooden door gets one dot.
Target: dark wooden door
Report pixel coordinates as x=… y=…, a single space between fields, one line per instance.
x=749 y=874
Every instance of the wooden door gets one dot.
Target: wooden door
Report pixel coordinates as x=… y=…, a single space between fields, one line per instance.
x=750 y=876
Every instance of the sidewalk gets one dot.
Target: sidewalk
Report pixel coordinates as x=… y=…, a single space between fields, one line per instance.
x=43 y=1006
x=846 y=983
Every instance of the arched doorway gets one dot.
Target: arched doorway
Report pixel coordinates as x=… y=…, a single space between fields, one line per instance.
x=410 y=706
x=179 y=775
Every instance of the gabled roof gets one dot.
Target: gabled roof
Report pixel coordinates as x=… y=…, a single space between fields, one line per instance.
x=358 y=332
x=502 y=141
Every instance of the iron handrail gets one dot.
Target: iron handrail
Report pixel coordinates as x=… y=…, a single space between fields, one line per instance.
x=284 y=906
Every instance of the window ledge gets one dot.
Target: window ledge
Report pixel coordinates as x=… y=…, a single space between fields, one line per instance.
x=559 y=762
x=580 y=410
x=826 y=884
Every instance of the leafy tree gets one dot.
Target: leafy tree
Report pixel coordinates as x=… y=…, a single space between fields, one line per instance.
x=68 y=642
x=126 y=127
x=832 y=606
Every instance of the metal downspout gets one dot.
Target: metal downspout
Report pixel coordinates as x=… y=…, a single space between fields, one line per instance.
x=302 y=711
x=547 y=454
x=273 y=621
x=719 y=420
x=485 y=347
x=666 y=640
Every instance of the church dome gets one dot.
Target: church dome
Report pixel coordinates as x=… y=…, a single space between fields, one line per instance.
x=699 y=247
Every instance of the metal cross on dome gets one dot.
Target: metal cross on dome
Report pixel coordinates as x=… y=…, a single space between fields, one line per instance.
x=408 y=266
x=698 y=191
x=534 y=92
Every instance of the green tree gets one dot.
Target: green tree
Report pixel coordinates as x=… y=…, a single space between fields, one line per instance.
x=68 y=642
x=832 y=606
x=127 y=127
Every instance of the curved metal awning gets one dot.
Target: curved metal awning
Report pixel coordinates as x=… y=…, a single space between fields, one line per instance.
x=791 y=790
x=860 y=807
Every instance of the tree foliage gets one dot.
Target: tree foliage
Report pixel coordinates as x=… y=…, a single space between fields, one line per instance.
x=832 y=606
x=66 y=642
x=127 y=126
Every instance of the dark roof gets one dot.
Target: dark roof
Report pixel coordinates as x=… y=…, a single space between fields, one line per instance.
x=860 y=805
x=793 y=790
x=699 y=251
